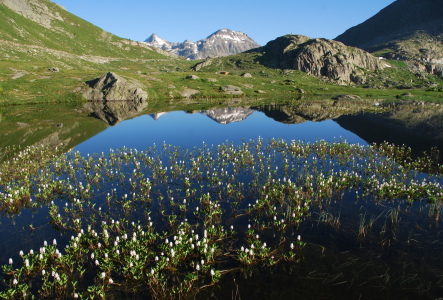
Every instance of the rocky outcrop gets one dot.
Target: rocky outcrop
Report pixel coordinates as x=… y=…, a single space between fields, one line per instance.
x=205 y=63
x=112 y=87
x=319 y=57
x=405 y=30
x=223 y=42
x=37 y=11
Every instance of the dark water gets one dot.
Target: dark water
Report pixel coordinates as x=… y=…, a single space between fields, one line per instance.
x=404 y=263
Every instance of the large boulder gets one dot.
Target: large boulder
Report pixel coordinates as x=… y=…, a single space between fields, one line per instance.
x=112 y=87
x=320 y=57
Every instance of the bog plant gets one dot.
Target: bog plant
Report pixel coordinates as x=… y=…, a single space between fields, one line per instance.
x=171 y=222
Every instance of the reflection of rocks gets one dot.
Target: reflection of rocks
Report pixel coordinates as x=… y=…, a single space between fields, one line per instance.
x=112 y=87
x=314 y=110
x=228 y=115
x=282 y=114
x=414 y=124
x=113 y=112
x=157 y=116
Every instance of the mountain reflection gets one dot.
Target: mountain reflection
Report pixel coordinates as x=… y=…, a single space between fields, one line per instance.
x=228 y=115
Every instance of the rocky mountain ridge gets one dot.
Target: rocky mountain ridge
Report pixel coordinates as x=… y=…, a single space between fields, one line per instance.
x=404 y=30
x=223 y=42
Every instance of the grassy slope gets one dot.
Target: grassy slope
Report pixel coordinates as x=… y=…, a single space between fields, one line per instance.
x=83 y=51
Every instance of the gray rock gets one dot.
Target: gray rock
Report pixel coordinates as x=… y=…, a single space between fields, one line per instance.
x=203 y=64
x=211 y=79
x=34 y=10
x=187 y=93
x=347 y=97
x=320 y=57
x=54 y=69
x=231 y=90
x=247 y=75
x=194 y=77
x=112 y=87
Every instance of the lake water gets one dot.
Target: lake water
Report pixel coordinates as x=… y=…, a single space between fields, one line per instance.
x=191 y=130
x=337 y=265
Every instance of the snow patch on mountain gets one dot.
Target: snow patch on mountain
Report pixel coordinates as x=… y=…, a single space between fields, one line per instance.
x=223 y=42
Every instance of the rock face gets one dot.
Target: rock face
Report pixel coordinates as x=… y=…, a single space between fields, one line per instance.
x=224 y=42
x=406 y=30
x=319 y=57
x=37 y=11
x=111 y=87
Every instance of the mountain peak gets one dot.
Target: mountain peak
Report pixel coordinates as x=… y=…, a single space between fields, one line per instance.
x=155 y=41
x=223 y=42
x=227 y=34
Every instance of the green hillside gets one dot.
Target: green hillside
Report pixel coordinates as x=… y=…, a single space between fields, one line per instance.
x=48 y=55
x=71 y=34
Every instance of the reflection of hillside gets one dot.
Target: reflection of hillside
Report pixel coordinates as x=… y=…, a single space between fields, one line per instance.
x=228 y=115
x=314 y=110
x=417 y=126
x=414 y=124
x=59 y=126
x=113 y=112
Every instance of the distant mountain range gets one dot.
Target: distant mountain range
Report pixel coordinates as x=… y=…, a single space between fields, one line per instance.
x=223 y=42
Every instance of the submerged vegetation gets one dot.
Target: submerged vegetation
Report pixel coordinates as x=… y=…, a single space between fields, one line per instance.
x=172 y=223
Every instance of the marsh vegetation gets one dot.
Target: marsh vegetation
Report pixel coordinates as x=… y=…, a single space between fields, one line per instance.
x=175 y=223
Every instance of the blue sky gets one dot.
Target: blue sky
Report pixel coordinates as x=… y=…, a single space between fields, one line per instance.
x=178 y=20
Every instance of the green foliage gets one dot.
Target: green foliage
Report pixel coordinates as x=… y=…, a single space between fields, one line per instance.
x=174 y=221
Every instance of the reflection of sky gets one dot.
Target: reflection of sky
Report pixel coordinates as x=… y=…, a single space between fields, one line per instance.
x=189 y=130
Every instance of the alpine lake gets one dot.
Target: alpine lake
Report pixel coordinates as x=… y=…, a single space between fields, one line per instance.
x=222 y=199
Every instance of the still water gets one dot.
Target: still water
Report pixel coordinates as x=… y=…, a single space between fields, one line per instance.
x=338 y=265
x=191 y=130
